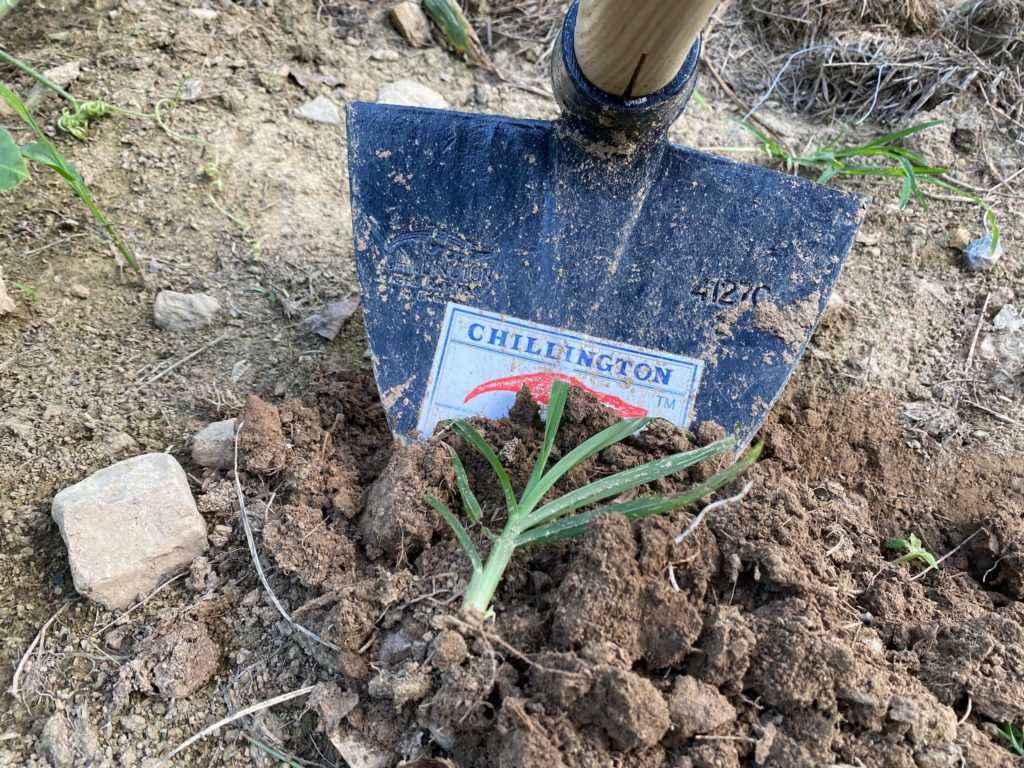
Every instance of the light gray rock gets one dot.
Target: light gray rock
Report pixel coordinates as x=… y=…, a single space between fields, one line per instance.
x=214 y=446
x=409 y=93
x=173 y=311
x=320 y=110
x=128 y=527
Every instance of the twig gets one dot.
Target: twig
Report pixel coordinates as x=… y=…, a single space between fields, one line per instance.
x=251 y=709
x=181 y=362
x=143 y=601
x=977 y=330
x=995 y=414
x=967 y=712
x=493 y=637
x=985 y=575
x=256 y=558
x=15 y=689
x=711 y=508
x=951 y=552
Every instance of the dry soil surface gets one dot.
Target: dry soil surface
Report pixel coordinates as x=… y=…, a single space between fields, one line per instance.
x=791 y=639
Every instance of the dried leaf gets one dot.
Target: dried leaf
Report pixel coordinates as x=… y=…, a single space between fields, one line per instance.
x=329 y=321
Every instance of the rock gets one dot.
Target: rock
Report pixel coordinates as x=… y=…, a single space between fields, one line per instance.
x=1004 y=353
x=320 y=110
x=128 y=527
x=7 y=305
x=384 y=54
x=214 y=446
x=79 y=291
x=696 y=707
x=173 y=311
x=411 y=23
x=1008 y=319
x=409 y=93
x=203 y=14
x=978 y=254
x=58 y=741
x=69 y=741
x=960 y=238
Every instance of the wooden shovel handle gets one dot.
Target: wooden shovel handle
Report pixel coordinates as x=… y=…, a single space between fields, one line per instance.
x=631 y=48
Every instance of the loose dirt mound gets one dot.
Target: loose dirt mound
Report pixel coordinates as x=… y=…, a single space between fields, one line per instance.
x=779 y=634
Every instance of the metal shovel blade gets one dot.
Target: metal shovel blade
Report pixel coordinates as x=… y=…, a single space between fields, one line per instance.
x=495 y=253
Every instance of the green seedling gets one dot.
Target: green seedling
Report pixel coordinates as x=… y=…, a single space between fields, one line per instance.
x=884 y=156
x=78 y=119
x=13 y=170
x=1014 y=737
x=81 y=113
x=914 y=551
x=530 y=522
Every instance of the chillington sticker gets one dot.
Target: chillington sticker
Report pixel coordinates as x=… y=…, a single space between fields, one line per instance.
x=483 y=359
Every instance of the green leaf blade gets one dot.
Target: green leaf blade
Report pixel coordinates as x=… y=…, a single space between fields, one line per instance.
x=466 y=431
x=617 y=432
x=458 y=529
x=568 y=527
x=469 y=500
x=556 y=406
x=624 y=481
x=12 y=165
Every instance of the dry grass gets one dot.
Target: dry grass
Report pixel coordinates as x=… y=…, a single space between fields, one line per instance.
x=847 y=60
x=854 y=60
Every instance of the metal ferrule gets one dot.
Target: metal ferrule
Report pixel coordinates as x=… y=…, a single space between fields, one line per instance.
x=601 y=117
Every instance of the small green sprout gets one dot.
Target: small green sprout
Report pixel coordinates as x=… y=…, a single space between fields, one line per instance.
x=530 y=522
x=914 y=550
x=1014 y=737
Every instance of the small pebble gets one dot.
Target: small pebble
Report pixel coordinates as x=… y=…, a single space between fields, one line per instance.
x=320 y=110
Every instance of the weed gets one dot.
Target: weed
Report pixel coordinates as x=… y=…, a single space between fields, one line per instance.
x=530 y=523
x=13 y=170
x=1014 y=737
x=30 y=292
x=914 y=550
x=83 y=112
x=78 y=119
x=882 y=157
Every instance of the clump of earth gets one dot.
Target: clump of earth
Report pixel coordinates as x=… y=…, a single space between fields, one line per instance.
x=780 y=633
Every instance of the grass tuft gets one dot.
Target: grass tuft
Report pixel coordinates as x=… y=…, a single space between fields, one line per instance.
x=531 y=522
x=884 y=156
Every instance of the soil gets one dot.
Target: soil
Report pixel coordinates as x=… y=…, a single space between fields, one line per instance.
x=780 y=633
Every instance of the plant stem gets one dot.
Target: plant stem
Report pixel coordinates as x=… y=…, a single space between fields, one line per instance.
x=38 y=76
x=484 y=583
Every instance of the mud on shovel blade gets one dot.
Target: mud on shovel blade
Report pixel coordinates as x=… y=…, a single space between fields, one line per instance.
x=495 y=253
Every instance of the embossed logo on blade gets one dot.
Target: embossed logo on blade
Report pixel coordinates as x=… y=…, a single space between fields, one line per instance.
x=483 y=359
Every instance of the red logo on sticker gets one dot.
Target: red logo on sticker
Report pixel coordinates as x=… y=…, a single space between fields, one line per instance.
x=539 y=385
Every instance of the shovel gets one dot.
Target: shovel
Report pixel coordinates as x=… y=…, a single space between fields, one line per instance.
x=496 y=253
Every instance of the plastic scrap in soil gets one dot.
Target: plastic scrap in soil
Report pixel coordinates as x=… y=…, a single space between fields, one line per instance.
x=978 y=254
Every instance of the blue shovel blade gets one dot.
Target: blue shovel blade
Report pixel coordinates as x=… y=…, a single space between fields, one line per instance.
x=666 y=280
